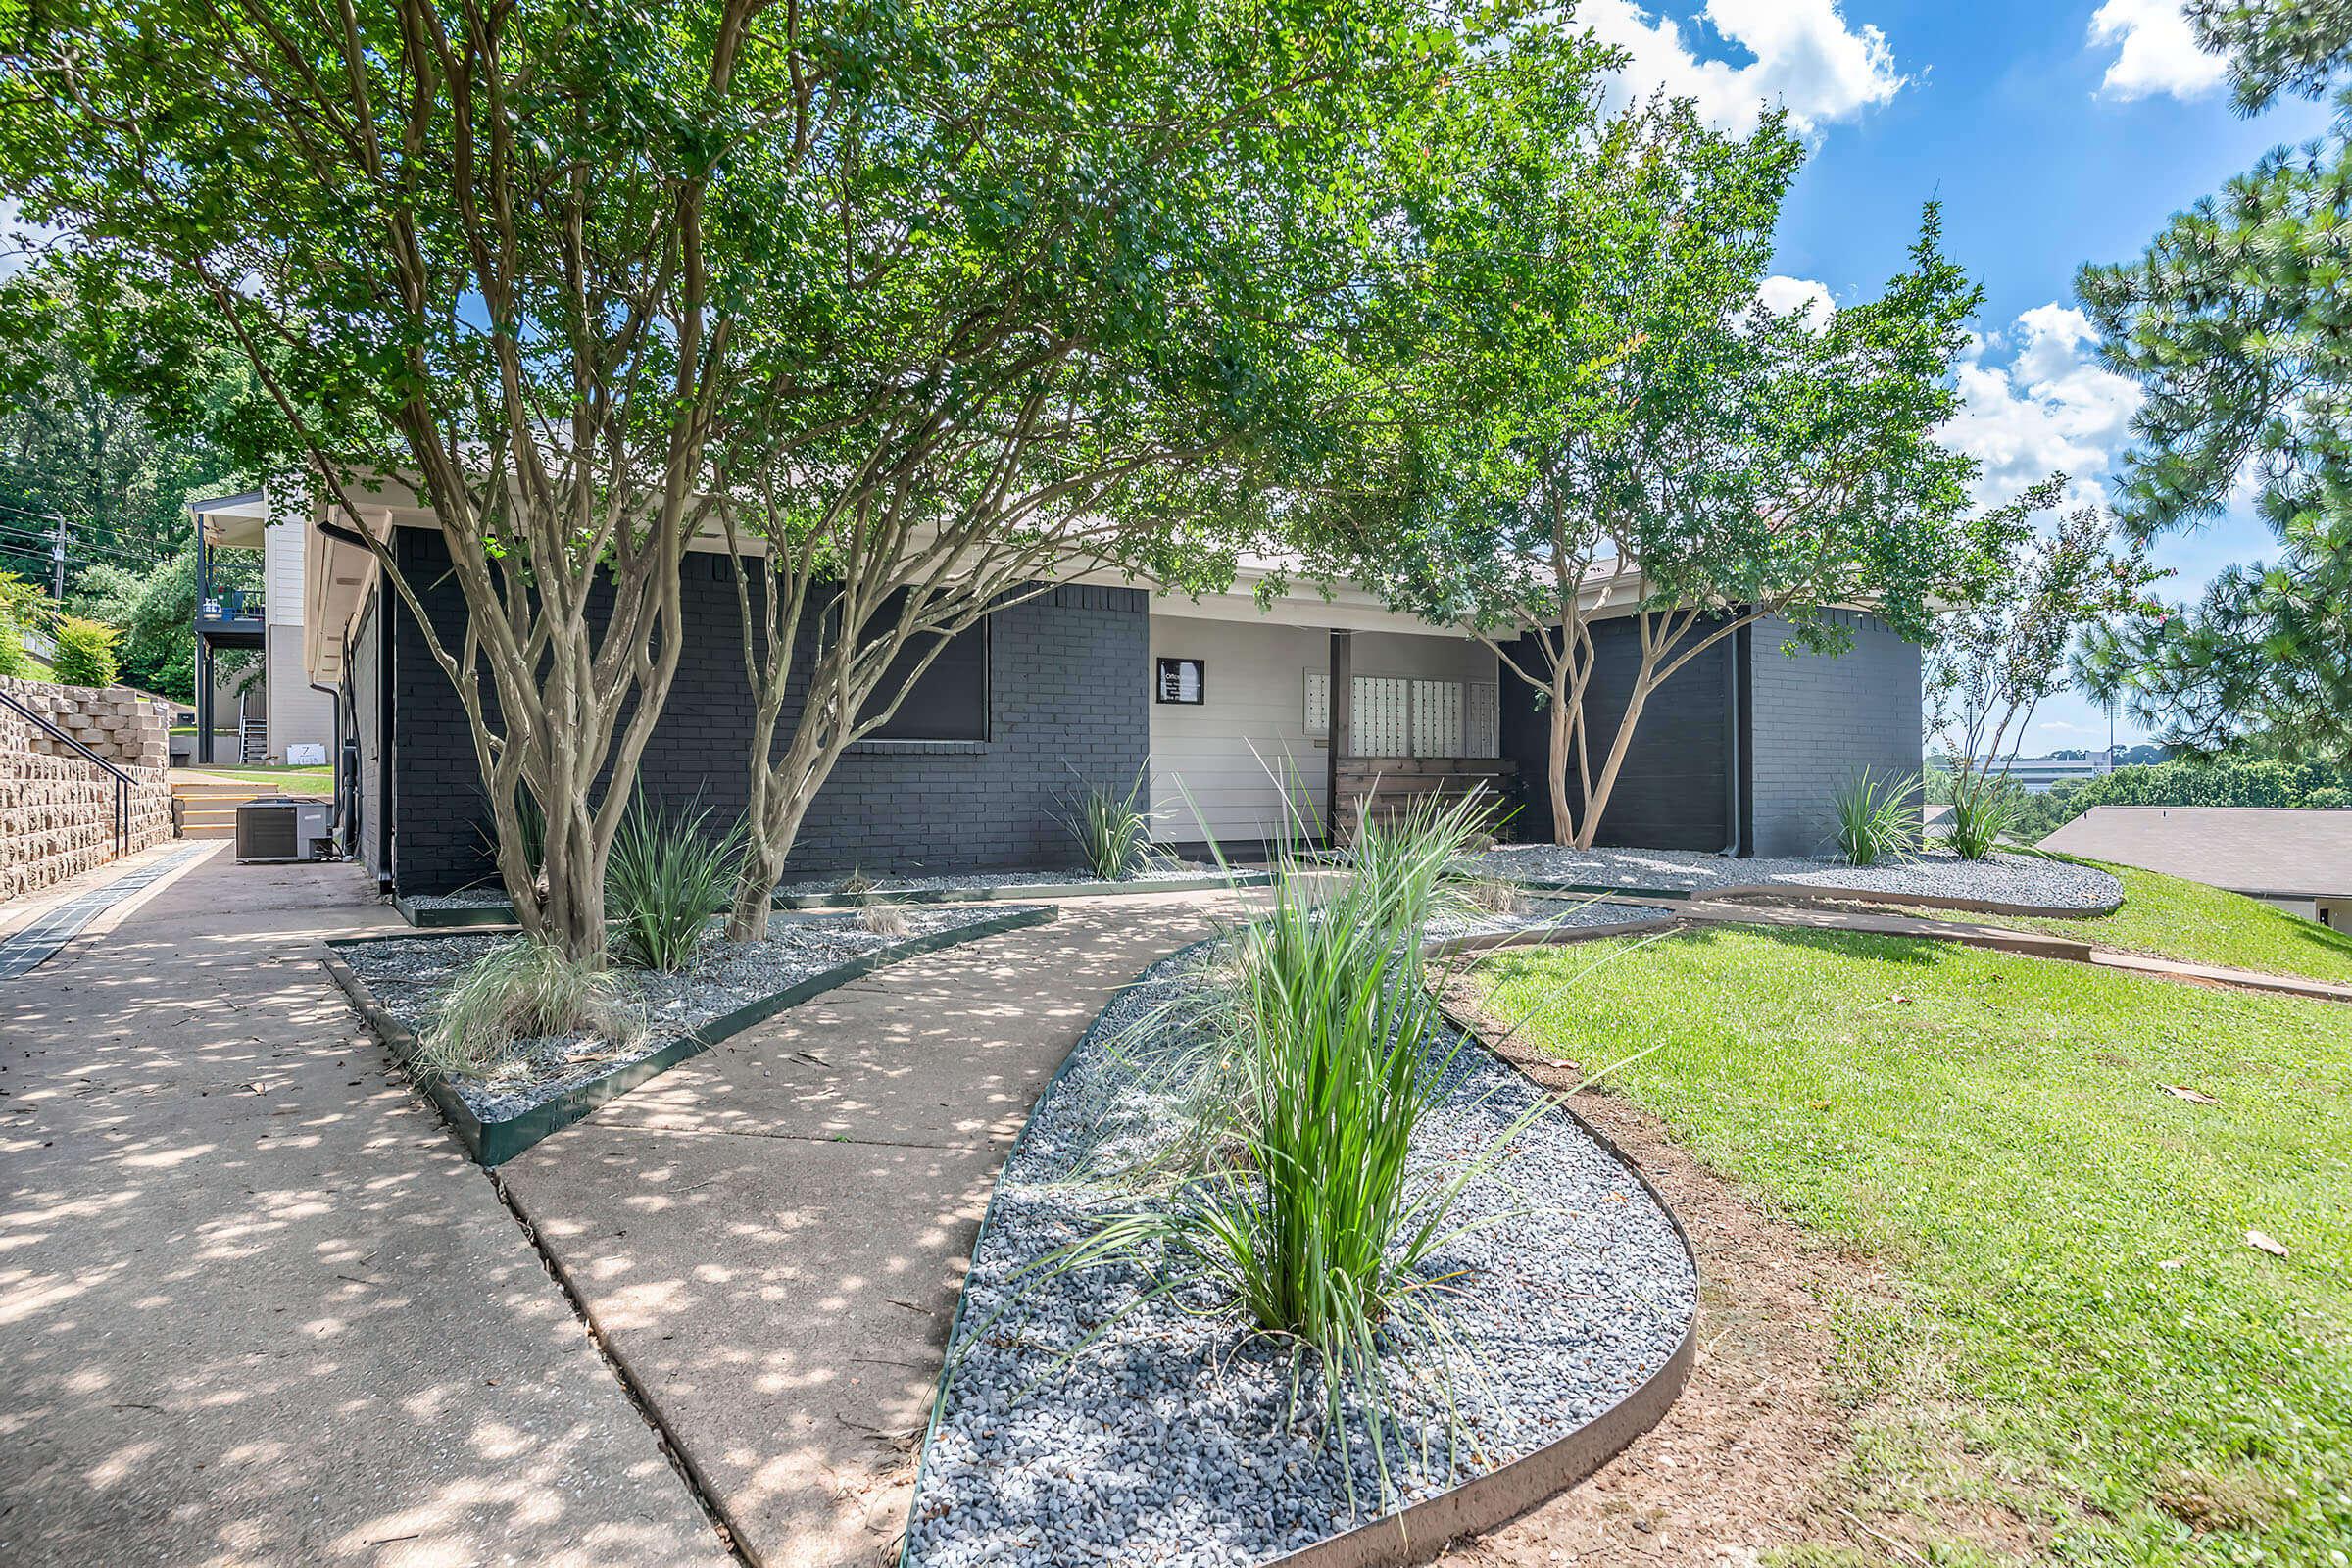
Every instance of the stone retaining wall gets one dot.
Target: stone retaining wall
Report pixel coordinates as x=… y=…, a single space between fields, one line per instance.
x=56 y=808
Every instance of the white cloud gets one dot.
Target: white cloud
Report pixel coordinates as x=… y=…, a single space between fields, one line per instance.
x=2158 y=51
x=2052 y=407
x=1780 y=294
x=1806 y=56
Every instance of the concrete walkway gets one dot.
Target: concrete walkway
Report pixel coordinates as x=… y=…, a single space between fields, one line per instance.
x=255 y=1308
x=769 y=1238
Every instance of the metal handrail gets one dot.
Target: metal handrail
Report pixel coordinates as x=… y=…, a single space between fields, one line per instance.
x=123 y=781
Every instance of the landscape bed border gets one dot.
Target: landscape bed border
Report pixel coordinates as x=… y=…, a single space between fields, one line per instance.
x=430 y=917
x=1813 y=893
x=1420 y=1531
x=492 y=1144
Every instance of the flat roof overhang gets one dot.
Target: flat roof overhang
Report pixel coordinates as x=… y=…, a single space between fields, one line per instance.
x=233 y=523
x=231 y=631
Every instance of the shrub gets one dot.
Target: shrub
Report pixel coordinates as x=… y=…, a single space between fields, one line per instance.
x=1113 y=830
x=1877 y=818
x=85 y=652
x=1983 y=810
x=1330 y=1051
x=883 y=920
x=1496 y=896
x=524 y=990
x=2328 y=795
x=667 y=874
x=22 y=608
x=530 y=827
x=14 y=660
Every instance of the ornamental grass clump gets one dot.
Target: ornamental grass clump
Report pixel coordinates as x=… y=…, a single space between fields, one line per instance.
x=525 y=990
x=1113 y=831
x=1302 y=1210
x=1877 y=818
x=668 y=876
x=1983 y=812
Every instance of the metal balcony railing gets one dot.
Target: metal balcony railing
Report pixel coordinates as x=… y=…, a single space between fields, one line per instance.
x=122 y=780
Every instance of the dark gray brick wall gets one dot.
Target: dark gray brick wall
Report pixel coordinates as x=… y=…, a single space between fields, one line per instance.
x=1818 y=719
x=1671 y=792
x=364 y=683
x=1068 y=682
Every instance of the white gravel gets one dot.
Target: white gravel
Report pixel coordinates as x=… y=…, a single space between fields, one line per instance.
x=2024 y=879
x=408 y=974
x=1167 y=1436
x=1538 y=912
x=1160 y=869
x=464 y=899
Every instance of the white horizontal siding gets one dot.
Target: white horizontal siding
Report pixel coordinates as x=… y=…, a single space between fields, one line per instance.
x=281 y=566
x=1224 y=766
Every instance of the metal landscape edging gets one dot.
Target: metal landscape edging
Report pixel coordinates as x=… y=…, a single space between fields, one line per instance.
x=493 y=1144
x=435 y=916
x=988 y=1212
x=1811 y=893
x=1422 y=1531
x=1015 y=891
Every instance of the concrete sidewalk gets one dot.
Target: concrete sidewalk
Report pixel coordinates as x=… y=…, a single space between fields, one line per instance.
x=770 y=1236
x=255 y=1308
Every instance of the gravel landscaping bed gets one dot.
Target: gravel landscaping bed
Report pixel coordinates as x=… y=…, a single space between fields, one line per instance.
x=2024 y=879
x=1168 y=1436
x=1536 y=913
x=408 y=974
x=463 y=898
x=1160 y=868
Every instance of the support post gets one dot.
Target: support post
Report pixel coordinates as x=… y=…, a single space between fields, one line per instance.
x=203 y=697
x=1339 y=732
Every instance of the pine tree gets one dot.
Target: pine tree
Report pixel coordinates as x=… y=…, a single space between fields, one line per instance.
x=2234 y=322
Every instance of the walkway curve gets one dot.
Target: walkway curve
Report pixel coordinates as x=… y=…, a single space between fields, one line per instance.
x=770 y=1239
x=255 y=1307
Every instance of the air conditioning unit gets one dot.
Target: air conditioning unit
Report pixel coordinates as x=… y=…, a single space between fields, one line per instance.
x=282 y=827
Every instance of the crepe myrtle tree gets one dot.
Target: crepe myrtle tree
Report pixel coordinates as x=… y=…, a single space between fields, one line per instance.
x=586 y=279
x=1602 y=416
x=1079 y=312
x=481 y=257
x=2004 y=649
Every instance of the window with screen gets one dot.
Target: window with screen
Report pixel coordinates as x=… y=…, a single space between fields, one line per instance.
x=949 y=701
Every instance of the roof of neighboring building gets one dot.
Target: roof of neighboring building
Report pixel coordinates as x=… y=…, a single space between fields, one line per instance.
x=2279 y=851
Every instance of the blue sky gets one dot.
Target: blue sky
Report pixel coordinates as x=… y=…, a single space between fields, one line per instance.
x=2053 y=133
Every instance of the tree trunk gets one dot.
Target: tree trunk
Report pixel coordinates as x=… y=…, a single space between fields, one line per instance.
x=754 y=893
x=1603 y=786
x=1563 y=729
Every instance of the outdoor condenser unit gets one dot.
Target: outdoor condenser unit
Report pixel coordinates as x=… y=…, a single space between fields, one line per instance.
x=282 y=828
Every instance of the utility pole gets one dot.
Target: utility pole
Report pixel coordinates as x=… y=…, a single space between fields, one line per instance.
x=57 y=558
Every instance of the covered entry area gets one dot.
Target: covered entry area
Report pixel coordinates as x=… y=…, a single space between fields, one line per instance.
x=1246 y=736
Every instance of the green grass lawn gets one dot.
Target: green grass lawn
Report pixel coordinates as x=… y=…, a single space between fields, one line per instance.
x=293 y=780
x=2169 y=919
x=2083 y=1335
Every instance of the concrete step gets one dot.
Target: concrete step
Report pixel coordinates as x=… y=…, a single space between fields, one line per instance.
x=193 y=831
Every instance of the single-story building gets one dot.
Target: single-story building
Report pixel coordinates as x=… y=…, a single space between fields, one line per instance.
x=2298 y=859
x=249 y=601
x=1226 y=709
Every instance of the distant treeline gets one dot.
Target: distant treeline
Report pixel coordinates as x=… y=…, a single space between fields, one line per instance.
x=2184 y=781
